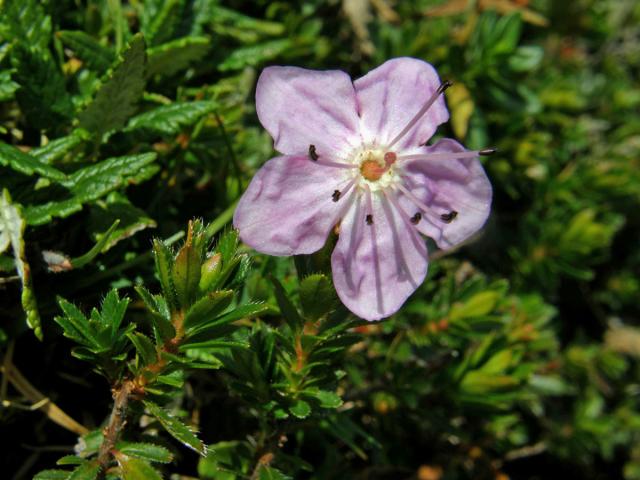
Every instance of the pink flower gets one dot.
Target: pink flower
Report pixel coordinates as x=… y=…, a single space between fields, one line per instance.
x=354 y=156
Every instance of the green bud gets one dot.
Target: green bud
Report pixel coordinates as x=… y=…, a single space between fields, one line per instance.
x=210 y=271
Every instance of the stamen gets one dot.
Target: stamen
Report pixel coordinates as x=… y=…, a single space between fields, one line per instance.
x=312 y=153
x=326 y=163
x=416 y=218
x=338 y=194
x=447 y=155
x=369 y=217
x=413 y=198
x=439 y=91
x=487 y=151
x=449 y=217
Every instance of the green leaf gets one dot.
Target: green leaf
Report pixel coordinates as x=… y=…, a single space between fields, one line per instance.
x=327 y=399
x=82 y=260
x=75 y=325
x=119 y=93
x=52 y=475
x=95 y=181
x=113 y=311
x=288 y=310
x=186 y=269
x=12 y=227
x=213 y=329
x=42 y=95
x=117 y=207
x=87 y=471
x=317 y=296
x=162 y=327
x=144 y=346
x=174 y=56
x=58 y=148
x=171 y=119
x=162 y=26
x=70 y=460
x=254 y=55
x=207 y=308
x=7 y=86
x=164 y=266
x=137 y=469
x=145 y=451
x=176 y=428
x=96 y=56
x=27 y=164
x=41 y=214
x=300 y=409
x=27 y=22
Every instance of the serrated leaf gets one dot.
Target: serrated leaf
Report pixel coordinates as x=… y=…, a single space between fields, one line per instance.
x=172 y=57
x=171 y=119
x=137 y=469
x=213 y=329
x=41 y=214
x=145 y=451
x=58 y=148
x=42 y=95
x=96 y=56
x=75 y=325
x=92 y=182
x=163 y=329
x=162 y=26
x=288 y=310
x=113 y=311
x=70 y=460
x=207 y=308
x=317 y=296
x=87 y=471
x=176 y=428
x=144 y=346
x=27 y=22
x=24 y=163
x=254 y=55
x=95 y=181
x=164 y=266
x=300 y=409
x=52 y=475
x=12 y=227
x=119 y=93
x=326 y=398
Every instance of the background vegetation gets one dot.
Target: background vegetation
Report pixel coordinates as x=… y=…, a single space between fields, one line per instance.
x=121 y=121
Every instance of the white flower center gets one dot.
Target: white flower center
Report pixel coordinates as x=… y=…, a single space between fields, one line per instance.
x=376 y=169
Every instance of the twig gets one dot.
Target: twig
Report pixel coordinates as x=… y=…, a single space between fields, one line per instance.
x=117 y=421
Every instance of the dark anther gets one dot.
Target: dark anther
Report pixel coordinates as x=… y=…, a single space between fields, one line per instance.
x=416 y=218
x=488 y=151
x=443 y=86
x=312 y=153
x=369 y=219
x=336 y=195
x=449 y=217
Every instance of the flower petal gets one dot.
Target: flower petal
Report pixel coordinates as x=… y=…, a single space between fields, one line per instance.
x=377 y=266
x=301 y=107
x=391 y=95
x=288 y=207
x=446 y=186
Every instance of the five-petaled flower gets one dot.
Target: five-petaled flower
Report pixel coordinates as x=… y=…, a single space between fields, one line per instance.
x=354 y=158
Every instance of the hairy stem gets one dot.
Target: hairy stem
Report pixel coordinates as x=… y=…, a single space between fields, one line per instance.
x=116 y=423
